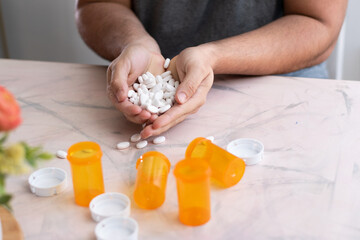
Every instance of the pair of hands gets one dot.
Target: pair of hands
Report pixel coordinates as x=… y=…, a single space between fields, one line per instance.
x=192 y=67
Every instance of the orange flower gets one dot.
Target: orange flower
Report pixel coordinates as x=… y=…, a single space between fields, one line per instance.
x=9 y=111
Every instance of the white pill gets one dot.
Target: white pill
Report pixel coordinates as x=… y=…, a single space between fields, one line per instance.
x=167 y=62
x=157 y=103
x=156 y=88
x=159 y=95
x=169 y=88
x=132 y=100
x=151 y=84
x=136 y=86
x=152 y=109
x=143 y=98
x=211 y=138
x=131 y=93
x=164 y=108
x=142 y=144
x=136 y=137
x=140 y=79
x=168 y=78
x=150 y=75
x=158 y=79
x=159 y=140
x=168 y=94
x=169 y=101
x=176 y=84
x=144 y=88
x=122 y=145
x=172 y=82
x=139 y=91
x=145 y=77
x=136 y=101
x=165 y=74
x=61 y=154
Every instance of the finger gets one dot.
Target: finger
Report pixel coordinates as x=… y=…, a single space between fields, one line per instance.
x=179 y=112
x=189 y=85
x=119 y=77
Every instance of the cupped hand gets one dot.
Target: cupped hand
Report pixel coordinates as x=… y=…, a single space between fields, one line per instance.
x=122 y=73
x=193 y=68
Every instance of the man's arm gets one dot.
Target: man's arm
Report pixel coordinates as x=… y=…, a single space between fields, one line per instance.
x=108 y=26
x=112 y=30
x=304 y=37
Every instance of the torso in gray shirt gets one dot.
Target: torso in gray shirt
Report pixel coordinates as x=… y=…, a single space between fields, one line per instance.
x=178 y=24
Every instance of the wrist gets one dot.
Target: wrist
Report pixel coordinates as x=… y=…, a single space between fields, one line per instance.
x=147 y=42
x=211 y=52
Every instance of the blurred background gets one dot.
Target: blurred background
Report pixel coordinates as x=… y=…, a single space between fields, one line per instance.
x=45 y=30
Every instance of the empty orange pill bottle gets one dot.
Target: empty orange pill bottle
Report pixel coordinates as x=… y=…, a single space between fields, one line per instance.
x=226 y=168
x=151 y=178
x=193 y=189
x=86 y=170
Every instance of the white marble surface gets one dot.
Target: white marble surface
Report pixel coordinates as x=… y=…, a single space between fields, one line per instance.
x=307 y=186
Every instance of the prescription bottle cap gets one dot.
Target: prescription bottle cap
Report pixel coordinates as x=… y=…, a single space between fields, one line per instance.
x=250 y=150
x=47 y=182
x=117 y=228
x=153 y=154
x=109 y=205
x=191 y=170
x=84 y=153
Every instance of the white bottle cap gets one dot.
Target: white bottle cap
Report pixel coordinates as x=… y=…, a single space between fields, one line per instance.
x=108 y=205
x=47 y=182
x=250 y=150
x=117 y=228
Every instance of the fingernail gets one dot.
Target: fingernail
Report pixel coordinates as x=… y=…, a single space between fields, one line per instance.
x=182 y=97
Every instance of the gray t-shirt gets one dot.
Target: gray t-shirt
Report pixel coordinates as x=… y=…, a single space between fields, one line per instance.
x=178 y=24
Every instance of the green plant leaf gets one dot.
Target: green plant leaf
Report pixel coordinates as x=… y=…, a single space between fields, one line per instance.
x=5 y=200
x=45 y=156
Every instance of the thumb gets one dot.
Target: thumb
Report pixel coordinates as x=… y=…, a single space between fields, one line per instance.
x=189 y=85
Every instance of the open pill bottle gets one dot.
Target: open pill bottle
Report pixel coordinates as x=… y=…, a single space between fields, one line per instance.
x=226 y=168
x=193 y=189
x=86 y=170
x=150 y=186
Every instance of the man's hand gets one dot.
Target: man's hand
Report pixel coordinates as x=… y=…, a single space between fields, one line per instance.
x=122 y=73
x=195 y=72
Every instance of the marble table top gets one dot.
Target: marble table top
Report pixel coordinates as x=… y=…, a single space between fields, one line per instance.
x=307 y=186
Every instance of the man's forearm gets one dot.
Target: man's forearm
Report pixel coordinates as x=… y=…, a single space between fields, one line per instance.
x=290 y=43
x=108 y=27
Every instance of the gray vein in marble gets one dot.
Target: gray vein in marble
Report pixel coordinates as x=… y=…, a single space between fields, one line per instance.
x=56 y=115
x=348 y=101
x=82 y=105
x=225 y=88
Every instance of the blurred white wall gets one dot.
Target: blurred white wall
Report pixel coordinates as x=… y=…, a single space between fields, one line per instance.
x=45 y=30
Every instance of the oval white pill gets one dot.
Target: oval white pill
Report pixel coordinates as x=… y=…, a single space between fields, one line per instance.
x=61 y=154
x=159 y=140
x=142 y=144
x=122 y=145
x=140 y=79
x=150 y=75
x=164 y=108
x=167 y=62
x=136 y=137
x=152 y=109
x=165 y=74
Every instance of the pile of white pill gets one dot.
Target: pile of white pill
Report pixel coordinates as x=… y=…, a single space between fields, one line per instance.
x=154 y=93
x=136 y=138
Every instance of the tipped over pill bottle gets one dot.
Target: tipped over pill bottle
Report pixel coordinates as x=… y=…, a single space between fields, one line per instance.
x=150 y=186
x=193 y=188
x=226 y=168
x=86 y=170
